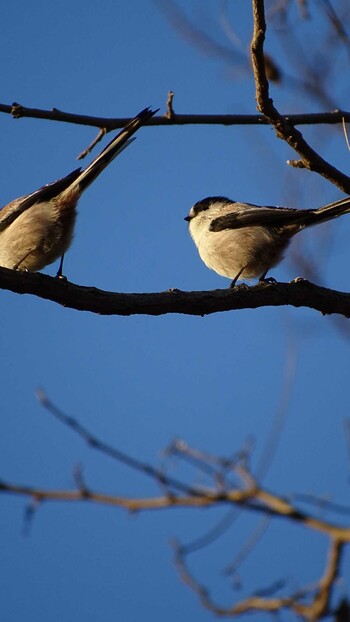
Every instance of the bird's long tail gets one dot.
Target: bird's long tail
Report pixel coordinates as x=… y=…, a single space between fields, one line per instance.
x=116 y=146
x=327 y=212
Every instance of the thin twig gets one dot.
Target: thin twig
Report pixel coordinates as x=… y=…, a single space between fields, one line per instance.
x=170 y=114
x=312 y=611
x=109 y=450
x=18 y=111
x=251 y=496
x=96 y=140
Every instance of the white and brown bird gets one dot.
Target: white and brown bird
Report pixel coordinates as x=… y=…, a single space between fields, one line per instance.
x=243 y=241
x=38 y=228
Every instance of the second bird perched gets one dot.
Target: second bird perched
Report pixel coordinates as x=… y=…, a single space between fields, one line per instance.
x=38 y=228
x=243 y=241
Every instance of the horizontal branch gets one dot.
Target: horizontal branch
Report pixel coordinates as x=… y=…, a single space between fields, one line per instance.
x=252 y=496
x=18 y=111
x=298 y=293
x=253 y=499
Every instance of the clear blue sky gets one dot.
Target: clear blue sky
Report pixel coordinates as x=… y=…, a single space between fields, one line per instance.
x=139 y=382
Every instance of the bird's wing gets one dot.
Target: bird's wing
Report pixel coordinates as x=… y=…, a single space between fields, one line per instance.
x=76 y=180
x=244 y=215
x=12 y=210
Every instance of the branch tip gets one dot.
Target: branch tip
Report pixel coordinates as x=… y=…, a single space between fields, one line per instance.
x=170 y=113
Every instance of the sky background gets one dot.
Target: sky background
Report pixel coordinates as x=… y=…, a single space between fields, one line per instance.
x=140 y=382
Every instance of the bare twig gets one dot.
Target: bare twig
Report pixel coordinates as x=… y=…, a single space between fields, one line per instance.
x=320 y=604
x=96 y=140
x=109 y=450
x=215 y=532
x=284 y=129
x=111 y=123
x=337 y=24
x=204 y=41
x=170 y=114
x=252 y=499
x=322 y=503
x=249 y=545
x=225 y=523
x=251 y=496
x=316 y=608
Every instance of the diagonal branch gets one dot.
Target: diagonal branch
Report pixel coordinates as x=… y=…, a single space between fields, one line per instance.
x=321 y=602
x=285 y=129
x=109 y=450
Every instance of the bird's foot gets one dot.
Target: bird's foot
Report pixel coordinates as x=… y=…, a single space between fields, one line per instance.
x=268 y=281
x=242 y=286
x=61 y=277
x=298 y=279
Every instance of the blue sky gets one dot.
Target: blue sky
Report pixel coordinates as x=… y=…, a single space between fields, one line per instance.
x=139 y=382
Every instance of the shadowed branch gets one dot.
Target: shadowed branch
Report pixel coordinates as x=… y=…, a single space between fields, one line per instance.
x=298 y=293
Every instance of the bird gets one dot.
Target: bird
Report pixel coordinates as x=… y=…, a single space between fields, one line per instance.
x=243 y=241
x=38 y=228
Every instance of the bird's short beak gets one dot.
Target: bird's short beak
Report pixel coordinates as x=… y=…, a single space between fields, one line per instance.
x=188 y=218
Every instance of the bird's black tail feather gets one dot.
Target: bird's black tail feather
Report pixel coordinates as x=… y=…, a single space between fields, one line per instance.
x=327 y=212
x=116 y=146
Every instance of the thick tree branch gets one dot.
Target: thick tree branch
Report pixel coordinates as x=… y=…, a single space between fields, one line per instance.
x=285 y=128
x=299 y=293
x=18 y=111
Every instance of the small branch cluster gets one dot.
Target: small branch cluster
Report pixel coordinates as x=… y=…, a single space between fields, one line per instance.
x=233 y=484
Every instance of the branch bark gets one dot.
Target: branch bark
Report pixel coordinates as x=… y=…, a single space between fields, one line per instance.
x=315 y=610
x=298 y=293
x=18 y=111
x=285 y=128
x=251 y=499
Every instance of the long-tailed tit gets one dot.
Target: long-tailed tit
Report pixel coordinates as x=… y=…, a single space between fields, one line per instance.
x=243 y=241
x=38 y=228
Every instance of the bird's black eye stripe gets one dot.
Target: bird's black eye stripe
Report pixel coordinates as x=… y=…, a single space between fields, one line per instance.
x=204 y=204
